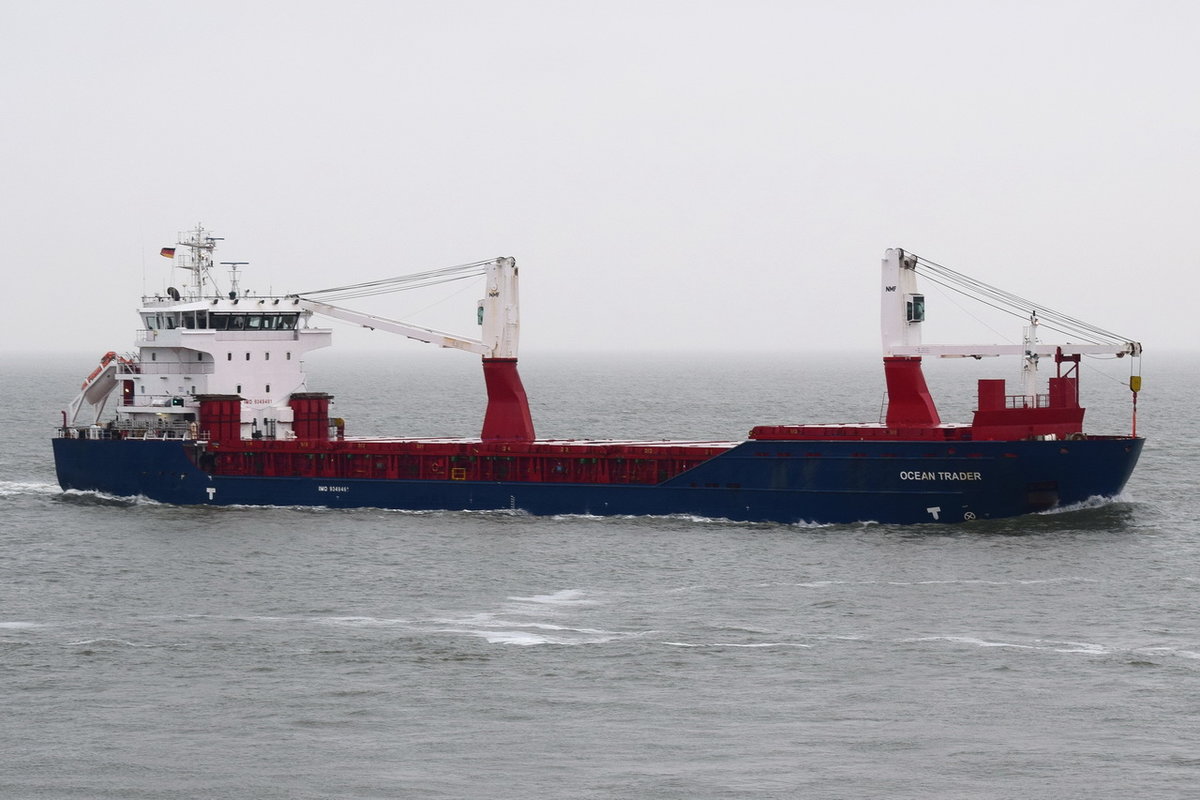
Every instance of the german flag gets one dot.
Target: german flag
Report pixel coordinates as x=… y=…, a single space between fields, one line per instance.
x=167 y=252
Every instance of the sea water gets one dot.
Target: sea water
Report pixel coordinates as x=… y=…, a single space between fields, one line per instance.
x=150 y=651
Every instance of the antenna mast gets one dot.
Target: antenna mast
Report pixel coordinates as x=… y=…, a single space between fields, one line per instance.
x=233 y=275
x=199 y=262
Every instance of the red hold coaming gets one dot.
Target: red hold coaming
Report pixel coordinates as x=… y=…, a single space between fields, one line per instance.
x=310 y=415
x=221 y=417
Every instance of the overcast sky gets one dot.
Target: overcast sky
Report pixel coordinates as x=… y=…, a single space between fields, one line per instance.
x=687 y=176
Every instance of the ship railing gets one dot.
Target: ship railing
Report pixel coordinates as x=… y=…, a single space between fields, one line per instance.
x=176 y=367
x=1027 y=401
x=152 y=336
x=260 y=335
x=179 y=430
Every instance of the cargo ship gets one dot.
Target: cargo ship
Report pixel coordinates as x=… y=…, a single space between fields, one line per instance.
x=212 y=407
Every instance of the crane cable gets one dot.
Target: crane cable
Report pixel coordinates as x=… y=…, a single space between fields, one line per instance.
x=1013 y=304
x=416 y=280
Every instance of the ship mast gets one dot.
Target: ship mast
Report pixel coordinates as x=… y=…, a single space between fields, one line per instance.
x=200 y=259
x=1029 y=365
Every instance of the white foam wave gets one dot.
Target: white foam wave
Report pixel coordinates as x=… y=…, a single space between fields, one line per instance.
x=103 y=640
x=748 y=645
x=694 y=519
x=363 y=622
x=1170 y=651
x=1095 y=501
x=1067 y=579
x=18 y=626
x=972 y=640
x=525 y=634
x=136 y=500
x=20 y=488
x=986 y=582
x=1067 y=646
x=534 y=619
x=516 y=637
x=949 y=582
x=564 y=597
x=1086 y=648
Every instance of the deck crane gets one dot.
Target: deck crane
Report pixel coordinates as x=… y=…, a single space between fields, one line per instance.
x=902 y=315
x=507 y=416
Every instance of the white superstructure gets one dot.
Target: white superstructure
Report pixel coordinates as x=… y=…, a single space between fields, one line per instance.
x=202 y=342
x=199 y=342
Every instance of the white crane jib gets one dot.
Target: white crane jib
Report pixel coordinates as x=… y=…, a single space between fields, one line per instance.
x=498 y=311
x=903 y=312
x=507 y=416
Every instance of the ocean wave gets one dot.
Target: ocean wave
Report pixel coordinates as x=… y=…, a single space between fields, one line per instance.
x=1094 y=502
x=1087 y=648
x=822 y=584
x=1068 y=647
x=107 y=642
x=91 y=497
x=988 y=582
x=1178 y=652
x=973 y=641
x=564 y=597
x=691 y=519
x=363 y=622
x=501 y=631
x=749 y=645
x=28 y=488
x=535 y=619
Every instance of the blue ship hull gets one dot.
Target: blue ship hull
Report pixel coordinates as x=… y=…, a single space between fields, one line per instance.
x=758 y=481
